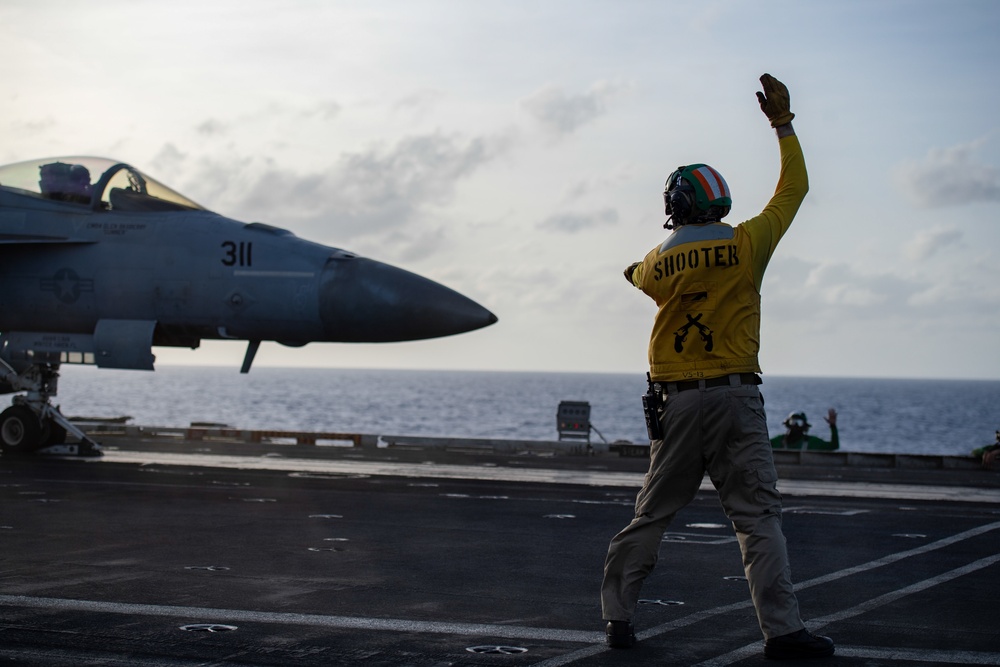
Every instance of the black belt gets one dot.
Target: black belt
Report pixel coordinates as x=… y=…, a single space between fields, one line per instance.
x=724 y=381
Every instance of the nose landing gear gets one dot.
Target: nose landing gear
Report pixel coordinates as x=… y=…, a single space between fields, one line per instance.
x=32 y=423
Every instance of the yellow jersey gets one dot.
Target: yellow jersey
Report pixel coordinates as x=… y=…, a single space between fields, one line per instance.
x=705 y=280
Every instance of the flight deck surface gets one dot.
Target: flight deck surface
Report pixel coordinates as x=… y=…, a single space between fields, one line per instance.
x=267 y=556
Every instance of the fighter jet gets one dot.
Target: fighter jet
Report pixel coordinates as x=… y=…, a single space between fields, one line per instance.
x=100 y=262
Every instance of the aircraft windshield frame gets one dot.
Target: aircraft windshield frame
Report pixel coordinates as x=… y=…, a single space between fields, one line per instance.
x=97 y=183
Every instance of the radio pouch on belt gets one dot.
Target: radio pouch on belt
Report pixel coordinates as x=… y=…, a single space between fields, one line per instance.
x=652 y=401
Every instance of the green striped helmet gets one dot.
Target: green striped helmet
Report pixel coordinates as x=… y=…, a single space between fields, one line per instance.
x=710 y=188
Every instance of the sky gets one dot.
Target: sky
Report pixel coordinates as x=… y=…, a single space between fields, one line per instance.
x=516 y=151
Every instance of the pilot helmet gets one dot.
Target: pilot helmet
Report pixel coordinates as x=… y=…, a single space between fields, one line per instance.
x=79 y=177
x=59 y=178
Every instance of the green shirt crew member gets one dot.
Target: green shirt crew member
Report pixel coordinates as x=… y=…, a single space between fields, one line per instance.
x=796 y=435
x=989 y=454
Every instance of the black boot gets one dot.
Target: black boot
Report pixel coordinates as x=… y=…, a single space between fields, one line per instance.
x=798 y=645
x=621 y=634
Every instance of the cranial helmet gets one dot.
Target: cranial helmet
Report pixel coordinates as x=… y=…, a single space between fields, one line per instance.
x=696 y=194
x=797 y=419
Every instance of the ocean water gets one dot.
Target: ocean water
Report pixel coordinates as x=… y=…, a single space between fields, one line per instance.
x=874 y=415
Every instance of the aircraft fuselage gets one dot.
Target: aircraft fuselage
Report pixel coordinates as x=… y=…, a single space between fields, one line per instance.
x=102 y=271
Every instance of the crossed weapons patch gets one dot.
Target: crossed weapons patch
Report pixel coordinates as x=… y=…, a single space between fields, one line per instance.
x=680 y=336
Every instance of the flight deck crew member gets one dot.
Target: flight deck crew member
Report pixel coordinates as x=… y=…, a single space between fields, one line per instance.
x=796 y=435
x=705 y=279
x=988 y=454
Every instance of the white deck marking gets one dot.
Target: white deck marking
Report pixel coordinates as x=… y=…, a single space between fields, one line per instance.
x=918 y=655
x=539 y=475
x=892 y=596
x=236 y=616
x=892 y=558
x=876 y=602
x=815 y=624
x=583 y=477
x=932 y=656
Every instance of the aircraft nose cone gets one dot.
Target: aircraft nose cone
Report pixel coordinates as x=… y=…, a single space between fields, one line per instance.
x=362 y=300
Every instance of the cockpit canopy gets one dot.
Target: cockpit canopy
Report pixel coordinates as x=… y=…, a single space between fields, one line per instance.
x=97 y=183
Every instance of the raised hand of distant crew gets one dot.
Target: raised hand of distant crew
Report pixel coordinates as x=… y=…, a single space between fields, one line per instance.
x=831 y=417
x=774 y=101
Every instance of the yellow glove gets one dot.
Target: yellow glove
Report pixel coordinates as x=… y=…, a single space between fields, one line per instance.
x=774 y=101
x=630 y=270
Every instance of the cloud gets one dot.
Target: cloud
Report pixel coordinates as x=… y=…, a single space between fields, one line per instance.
x=212 y=127
x=169 y=160
x=832 y=292
x=418 y=102
x=542 y=292
x=840 y=286
x=362 y=194
x=610 y=178
x=32 y=127
x=411 y=246
x=385 y=188
x=562 y=113
x=324 y=110
x=259 y=122
x=832 y=296
x=575 y=222
x=928 y=242
x=948 y=176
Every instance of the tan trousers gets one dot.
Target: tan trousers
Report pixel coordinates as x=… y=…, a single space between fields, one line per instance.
x=721 y=430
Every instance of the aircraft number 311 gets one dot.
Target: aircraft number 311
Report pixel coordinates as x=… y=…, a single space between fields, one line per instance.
x=237 y=253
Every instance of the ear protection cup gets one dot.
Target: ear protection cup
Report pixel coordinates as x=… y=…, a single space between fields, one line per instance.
x=680 y=202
